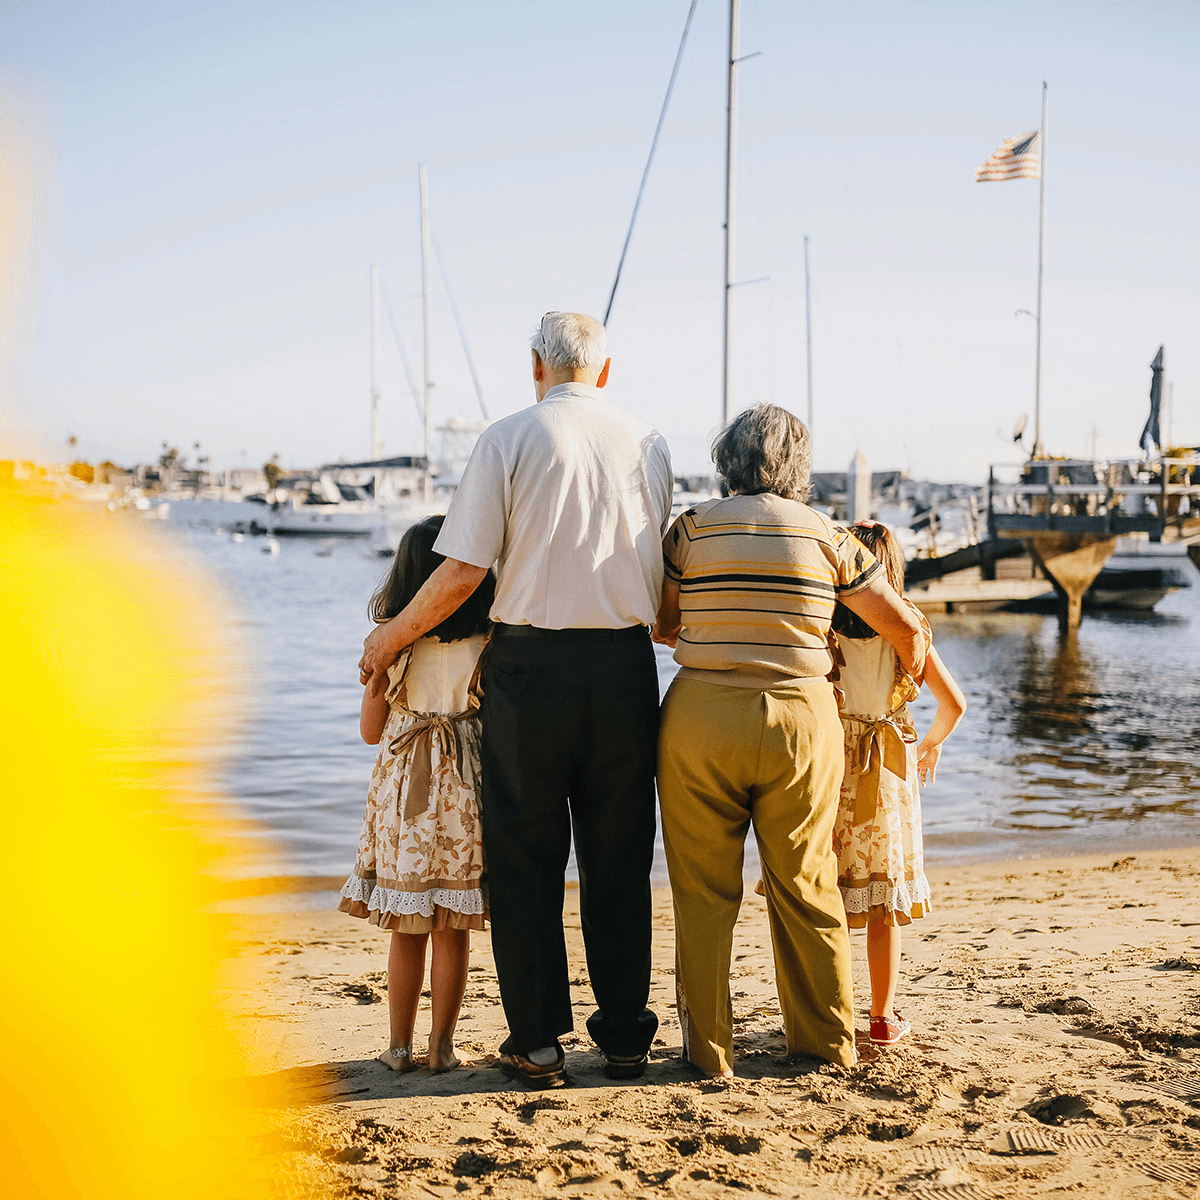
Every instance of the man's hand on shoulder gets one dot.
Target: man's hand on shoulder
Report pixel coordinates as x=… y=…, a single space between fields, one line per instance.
x=451 y=583
x=379 y=652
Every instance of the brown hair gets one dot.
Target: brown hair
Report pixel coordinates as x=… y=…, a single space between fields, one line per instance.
x=884 y=546
x=415 y=561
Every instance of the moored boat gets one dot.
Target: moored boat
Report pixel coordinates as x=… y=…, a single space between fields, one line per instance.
x=1138 y=588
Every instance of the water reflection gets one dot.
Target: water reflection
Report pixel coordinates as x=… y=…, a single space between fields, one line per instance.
x=1055 y=696
x=1071 y=740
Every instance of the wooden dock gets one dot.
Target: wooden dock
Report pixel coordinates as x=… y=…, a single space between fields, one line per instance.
x=999 y=576
x=980 y=595
x=1020 y=583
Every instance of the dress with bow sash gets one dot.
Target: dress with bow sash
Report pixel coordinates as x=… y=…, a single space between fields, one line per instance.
x=877 y=834
x=420 y=854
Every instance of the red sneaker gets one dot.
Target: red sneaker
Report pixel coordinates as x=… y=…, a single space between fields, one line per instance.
x=887 y=1031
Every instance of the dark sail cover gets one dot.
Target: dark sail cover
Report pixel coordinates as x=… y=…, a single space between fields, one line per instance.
x=1151 y=438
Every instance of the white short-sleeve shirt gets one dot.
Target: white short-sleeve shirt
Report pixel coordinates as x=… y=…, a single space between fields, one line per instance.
x=570 y=500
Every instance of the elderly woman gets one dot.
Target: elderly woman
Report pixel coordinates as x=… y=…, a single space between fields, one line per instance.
x=750 y=733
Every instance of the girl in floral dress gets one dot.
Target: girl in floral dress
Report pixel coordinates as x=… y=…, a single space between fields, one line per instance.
x=419 y=871
x=877 y=835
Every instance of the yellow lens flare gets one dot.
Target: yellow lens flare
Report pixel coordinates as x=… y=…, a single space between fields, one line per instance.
x=120 y=1067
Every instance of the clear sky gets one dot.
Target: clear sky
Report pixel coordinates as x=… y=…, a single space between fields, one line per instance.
x=210 y=183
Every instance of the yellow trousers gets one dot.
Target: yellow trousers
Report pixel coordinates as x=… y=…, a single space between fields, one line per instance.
x=729 y=757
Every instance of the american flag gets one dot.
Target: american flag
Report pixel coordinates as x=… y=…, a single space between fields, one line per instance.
x=1018 y=158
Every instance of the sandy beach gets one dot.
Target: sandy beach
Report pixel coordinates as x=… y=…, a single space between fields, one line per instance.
x=1056 y=1050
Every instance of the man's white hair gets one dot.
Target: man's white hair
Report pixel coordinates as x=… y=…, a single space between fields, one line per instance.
x=571 y=341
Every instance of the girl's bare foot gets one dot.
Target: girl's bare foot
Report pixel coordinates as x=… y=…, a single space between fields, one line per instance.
x=398 y=1058
x=443 y=1058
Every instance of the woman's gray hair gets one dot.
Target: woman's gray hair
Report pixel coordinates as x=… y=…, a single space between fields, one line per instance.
x=567 y=340
x=765 y=449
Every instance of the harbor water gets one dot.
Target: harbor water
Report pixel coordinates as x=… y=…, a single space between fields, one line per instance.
x=1069 y=746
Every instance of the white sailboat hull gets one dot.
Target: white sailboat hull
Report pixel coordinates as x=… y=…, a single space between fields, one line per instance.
x=383 y=523
x=322 y=520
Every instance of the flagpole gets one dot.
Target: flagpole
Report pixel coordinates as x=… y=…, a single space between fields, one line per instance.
x=428 y=488
x=808 y=333
x=1037 y=394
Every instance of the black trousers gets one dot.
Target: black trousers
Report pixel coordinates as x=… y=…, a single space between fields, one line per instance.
x=570 y=729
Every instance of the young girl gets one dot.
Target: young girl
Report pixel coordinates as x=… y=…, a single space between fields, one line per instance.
x=877 y=835
x=419 y=871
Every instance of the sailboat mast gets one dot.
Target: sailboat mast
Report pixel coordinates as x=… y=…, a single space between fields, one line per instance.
x=425 y=318
x=1037 y=393
x=730 y=200
x=376 y=397
x=808 y=333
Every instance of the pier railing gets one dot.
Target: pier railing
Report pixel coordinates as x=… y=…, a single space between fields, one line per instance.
x=1107 y=496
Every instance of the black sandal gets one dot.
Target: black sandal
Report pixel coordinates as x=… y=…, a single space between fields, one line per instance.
x=625 y=1066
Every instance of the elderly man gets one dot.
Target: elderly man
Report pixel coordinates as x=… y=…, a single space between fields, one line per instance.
x=570 y=499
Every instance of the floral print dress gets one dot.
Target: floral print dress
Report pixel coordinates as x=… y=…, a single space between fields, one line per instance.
x=420 y=855
x=877 y=834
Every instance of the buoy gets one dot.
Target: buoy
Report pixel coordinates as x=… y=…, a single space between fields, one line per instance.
x=272 y=546
x=237 y=537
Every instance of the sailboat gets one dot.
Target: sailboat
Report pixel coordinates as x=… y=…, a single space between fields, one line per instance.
x=381 y=497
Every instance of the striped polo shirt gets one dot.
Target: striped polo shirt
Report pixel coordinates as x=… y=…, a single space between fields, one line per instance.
x=758 y=580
